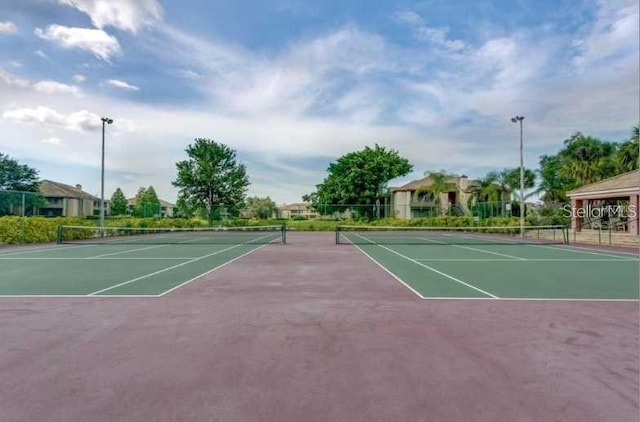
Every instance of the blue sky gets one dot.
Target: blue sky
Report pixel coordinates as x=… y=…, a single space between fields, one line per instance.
x=292 y=85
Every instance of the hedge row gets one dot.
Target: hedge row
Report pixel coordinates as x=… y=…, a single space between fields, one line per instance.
x=15 y=230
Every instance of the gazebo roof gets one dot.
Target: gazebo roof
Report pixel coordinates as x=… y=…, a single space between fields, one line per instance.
x=621 y=185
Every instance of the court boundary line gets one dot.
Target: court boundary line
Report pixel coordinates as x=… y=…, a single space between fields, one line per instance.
x=513 y=257
x=528 y=260
x=124 y=283
x=390 y=273
x=431 y=269
x=124 y=252
x=211 y=270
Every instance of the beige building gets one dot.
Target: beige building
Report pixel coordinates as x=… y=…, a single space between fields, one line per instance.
x=68 y=201
x=613 y=203
x=167 y=209
x=413 y=201
x=299 y=210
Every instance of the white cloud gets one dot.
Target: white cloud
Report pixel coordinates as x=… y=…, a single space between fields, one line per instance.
x=42 y=55
x=615 y=31
x=51 y=87
x=52 y=141
x=78 y=121
x=79 y=78
x=15 y=63
x=122 y=85
x=12 y=80
x=435 y=36
x=8 y=28
x=128 y=15
x=96 y=41
x=188 y=74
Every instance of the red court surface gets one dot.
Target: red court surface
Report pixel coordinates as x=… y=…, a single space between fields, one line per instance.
x=312 y=331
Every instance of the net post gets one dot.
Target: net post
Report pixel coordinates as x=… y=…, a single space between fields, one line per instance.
x=337 y=234
x=59 y=235
x=284 y=234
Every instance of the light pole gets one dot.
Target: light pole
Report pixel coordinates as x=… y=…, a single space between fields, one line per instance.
x=105 y=120
x=519 y=119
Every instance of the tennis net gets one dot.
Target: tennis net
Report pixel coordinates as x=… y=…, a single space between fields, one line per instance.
x=175 y=235
x=451 y=235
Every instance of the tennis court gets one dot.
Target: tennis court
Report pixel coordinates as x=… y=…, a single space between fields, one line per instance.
x=495 y=263
x=138 y=325
x=127 y=262
x=434 y=263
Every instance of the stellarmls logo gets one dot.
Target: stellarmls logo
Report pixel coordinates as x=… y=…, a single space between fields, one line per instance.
x=609 y=211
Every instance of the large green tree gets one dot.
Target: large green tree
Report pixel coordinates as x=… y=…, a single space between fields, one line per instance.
x=261 y=207
x=118 y=203
x=359 y=178
x=147 y=203
x=628 y=157
x=19 y=187
x=211 y=178
x=16 y=176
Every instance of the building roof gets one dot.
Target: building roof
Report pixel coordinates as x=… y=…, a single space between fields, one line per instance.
x=620 y=185
x=52 y=189
x=428 y=181
x=163 y=203
x=301 y=206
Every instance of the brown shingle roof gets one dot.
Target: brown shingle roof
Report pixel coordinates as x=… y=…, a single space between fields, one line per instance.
x=427 y=181
x=53 y=189
x=295 y=207
x=621 y=184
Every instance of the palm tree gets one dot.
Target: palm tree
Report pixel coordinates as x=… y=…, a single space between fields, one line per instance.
x=438 y=185
x=627 y=156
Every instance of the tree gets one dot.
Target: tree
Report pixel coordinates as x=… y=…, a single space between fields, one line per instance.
x=360 y=177
x=15 y=176
x=586 y=159
x=438 y=185
x=211 y=178
x=118 y=203
x=147 y=203
x=627 y=156
x=261 y=207
x=17 y=181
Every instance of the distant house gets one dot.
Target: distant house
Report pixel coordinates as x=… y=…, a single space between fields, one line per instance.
x=299 y=210
x=167 y=209
x=411 y=201
x=68 y=201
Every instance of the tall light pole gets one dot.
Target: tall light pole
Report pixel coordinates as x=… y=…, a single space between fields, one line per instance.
x=105 y=120
x=519 y=119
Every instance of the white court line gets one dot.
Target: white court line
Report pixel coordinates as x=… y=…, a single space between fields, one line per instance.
x=44 y=248
x=120 y=258
x=389 y=272
x=161 y=271
x=170 y=268
x=565 y=248
x=69 y=296
x=212 y=270
x=123 y=252
x=430 y=268
x=532 y=299
x=471 y=249
x=529 y=259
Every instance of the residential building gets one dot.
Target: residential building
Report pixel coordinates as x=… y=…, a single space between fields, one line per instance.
x=167 y=209
x=413 y=199
x=68 y=201
x=299 y=210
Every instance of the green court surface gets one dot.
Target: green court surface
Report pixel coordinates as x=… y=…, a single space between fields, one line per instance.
x=430 y=270
x=509 y=271
x=111 y=270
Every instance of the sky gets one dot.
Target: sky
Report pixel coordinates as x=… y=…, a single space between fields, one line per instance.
x=292 y=85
